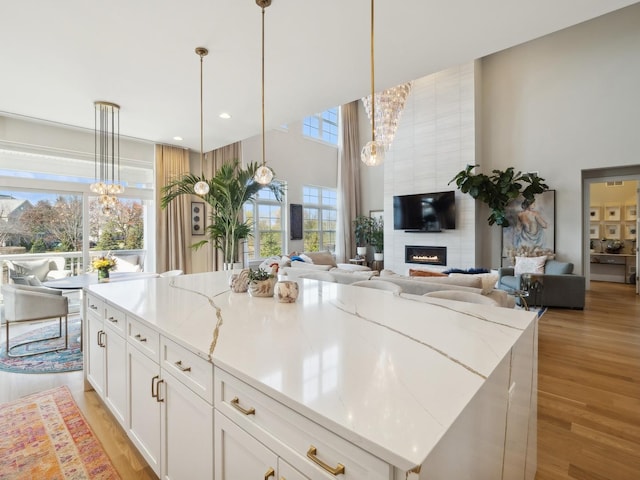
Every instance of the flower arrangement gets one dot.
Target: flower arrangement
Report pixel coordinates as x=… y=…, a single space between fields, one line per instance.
x=104 y=262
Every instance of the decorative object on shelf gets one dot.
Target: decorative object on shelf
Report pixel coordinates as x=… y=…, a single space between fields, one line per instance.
x=103 y=265
x=232 y=187
x=499 y=189
x=107 y=155
x=384 y=111
x=261 y=282
x=264 y=174
x=201 y=187
x=239 y=282
x=614 y=246
x=286 y=291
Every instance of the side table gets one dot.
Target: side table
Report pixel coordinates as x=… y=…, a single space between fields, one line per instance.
x=358 y=261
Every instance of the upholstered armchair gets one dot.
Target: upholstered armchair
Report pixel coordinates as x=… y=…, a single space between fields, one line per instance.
x=556 y=286
x=26 y=304
x=37 y=270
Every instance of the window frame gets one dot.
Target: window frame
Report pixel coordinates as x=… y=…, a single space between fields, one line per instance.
x=321 y=206
x=322 y=122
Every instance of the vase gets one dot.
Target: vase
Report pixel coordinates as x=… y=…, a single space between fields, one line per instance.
x=378 y=256
x=286 y=291
x=103 y=275
x=262 y=288
x=239 y=282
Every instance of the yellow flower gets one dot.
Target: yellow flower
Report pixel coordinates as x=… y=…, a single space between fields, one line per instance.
x=103 y=262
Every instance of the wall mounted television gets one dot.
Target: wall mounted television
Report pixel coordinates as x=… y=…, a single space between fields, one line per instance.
x=425 y=212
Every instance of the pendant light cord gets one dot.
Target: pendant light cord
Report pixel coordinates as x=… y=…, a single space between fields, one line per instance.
x=262 y=82
x=202 y=54
x=373 y=94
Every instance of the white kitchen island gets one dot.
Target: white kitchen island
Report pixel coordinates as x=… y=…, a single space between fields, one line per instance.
x=347 y=382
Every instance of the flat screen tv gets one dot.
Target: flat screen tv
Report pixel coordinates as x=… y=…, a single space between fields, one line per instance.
x=425 y=212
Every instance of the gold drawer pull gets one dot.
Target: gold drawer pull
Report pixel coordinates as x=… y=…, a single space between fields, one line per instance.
x=236 y=404
x=333 y=471
x=182 y=369
x=139 y=338
x=270 y=473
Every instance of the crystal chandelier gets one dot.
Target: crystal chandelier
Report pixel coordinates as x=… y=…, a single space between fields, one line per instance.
x=383 y=110
x=263 y=174
x=107 y=155
x=201 y=187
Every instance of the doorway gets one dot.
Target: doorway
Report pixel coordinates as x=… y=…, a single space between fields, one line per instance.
x=610 y=204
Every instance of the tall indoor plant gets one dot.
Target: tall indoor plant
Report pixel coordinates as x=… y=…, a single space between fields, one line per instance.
x=498 y=189
x=229 y=189
x=362 y=226
x=377 y=238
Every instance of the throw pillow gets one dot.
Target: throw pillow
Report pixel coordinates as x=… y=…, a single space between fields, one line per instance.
x=529 y=265
x=425 y=273
x=321 y=258
x=305 y=258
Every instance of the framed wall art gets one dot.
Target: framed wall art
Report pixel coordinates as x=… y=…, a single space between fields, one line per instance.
x=594 y=231
x=630 y=231
x=612 y=231
x=197 y=218
x=612 y=213
x=630 y=212
x=594 y=214
x=532 y=227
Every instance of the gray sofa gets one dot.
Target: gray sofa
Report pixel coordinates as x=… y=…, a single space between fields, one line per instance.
x=556 y=287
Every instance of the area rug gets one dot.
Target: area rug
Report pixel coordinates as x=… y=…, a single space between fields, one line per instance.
x=54 y=362
x=45 y=436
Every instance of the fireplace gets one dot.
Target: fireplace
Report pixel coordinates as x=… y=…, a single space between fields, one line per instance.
x=425 y=255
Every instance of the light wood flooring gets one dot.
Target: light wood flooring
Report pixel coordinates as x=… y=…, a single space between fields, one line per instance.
x=588 y=399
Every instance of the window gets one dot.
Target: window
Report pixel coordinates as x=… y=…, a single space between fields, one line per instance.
x=322 y=126
x=265 y=214
x=320 y=218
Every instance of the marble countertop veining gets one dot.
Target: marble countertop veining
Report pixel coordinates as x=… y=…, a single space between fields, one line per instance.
x=388 y=373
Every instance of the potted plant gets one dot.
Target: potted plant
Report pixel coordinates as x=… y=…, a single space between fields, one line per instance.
x=229 y=189
x=261 y=283
x=498 y=189
x=377 y=239
x=362 y=227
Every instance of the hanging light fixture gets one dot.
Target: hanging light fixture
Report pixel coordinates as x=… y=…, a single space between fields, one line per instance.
x=201 y=187
x=384 y=111
x=263 y=174
x=107 y=154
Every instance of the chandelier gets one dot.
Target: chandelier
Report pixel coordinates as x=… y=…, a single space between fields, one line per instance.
x=201 y=187
x=263 y=174
x=388 y=108
x=107 y=155
x=383 y=110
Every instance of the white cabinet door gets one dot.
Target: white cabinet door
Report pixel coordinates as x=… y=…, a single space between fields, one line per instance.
x=287 y=472
x=95 y=353
x=144 y=404
x=115 y=385
x=240 y=456
x=188 y=432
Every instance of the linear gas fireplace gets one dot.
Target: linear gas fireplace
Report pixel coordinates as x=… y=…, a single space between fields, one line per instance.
x=425 y=255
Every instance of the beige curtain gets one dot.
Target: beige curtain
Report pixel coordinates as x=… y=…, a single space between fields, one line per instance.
x=348 y=180
x=173 y=222
x=212 y=162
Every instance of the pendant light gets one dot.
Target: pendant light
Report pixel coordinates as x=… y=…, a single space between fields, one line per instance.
x=373 y=152
x=263 y=174
x=201 y=187
x=107 y=154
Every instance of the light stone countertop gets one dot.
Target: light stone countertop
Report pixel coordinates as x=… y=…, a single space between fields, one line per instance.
x=390 y=374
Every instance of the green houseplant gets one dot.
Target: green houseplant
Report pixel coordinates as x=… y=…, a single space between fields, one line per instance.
x=377 y=237
x=229 y=189
x=362 y=227
x=498 y=189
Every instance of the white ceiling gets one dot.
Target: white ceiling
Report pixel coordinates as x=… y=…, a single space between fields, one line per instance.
x=57 y=58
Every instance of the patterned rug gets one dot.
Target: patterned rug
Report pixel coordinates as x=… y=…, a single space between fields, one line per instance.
x=54 y=362
x=45 y=436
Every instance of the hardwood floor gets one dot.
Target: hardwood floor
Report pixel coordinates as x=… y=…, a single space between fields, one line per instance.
x=589 y=388
x=588 y=398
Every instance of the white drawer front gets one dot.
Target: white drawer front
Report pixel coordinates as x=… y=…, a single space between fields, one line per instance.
x=144 y=338
x=116 y=319
x=266 y=418
x=195 y=372
x=95 y=306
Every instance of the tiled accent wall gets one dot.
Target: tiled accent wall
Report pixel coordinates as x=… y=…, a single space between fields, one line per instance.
x=436 y=138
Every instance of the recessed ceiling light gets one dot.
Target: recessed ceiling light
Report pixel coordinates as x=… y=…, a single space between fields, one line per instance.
x=225 y=115
x=179 y=139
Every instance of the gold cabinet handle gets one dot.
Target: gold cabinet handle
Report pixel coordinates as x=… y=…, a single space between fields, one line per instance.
x=158 y=399
x=181 y=368
x=236 y=404
x=154 y=391
x=312 y=455
x=270 y=473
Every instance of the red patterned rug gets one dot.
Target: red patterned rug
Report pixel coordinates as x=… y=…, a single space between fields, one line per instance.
x=45 y=436
x=63 y=361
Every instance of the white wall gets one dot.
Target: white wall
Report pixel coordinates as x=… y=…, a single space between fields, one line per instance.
x=560 y=104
